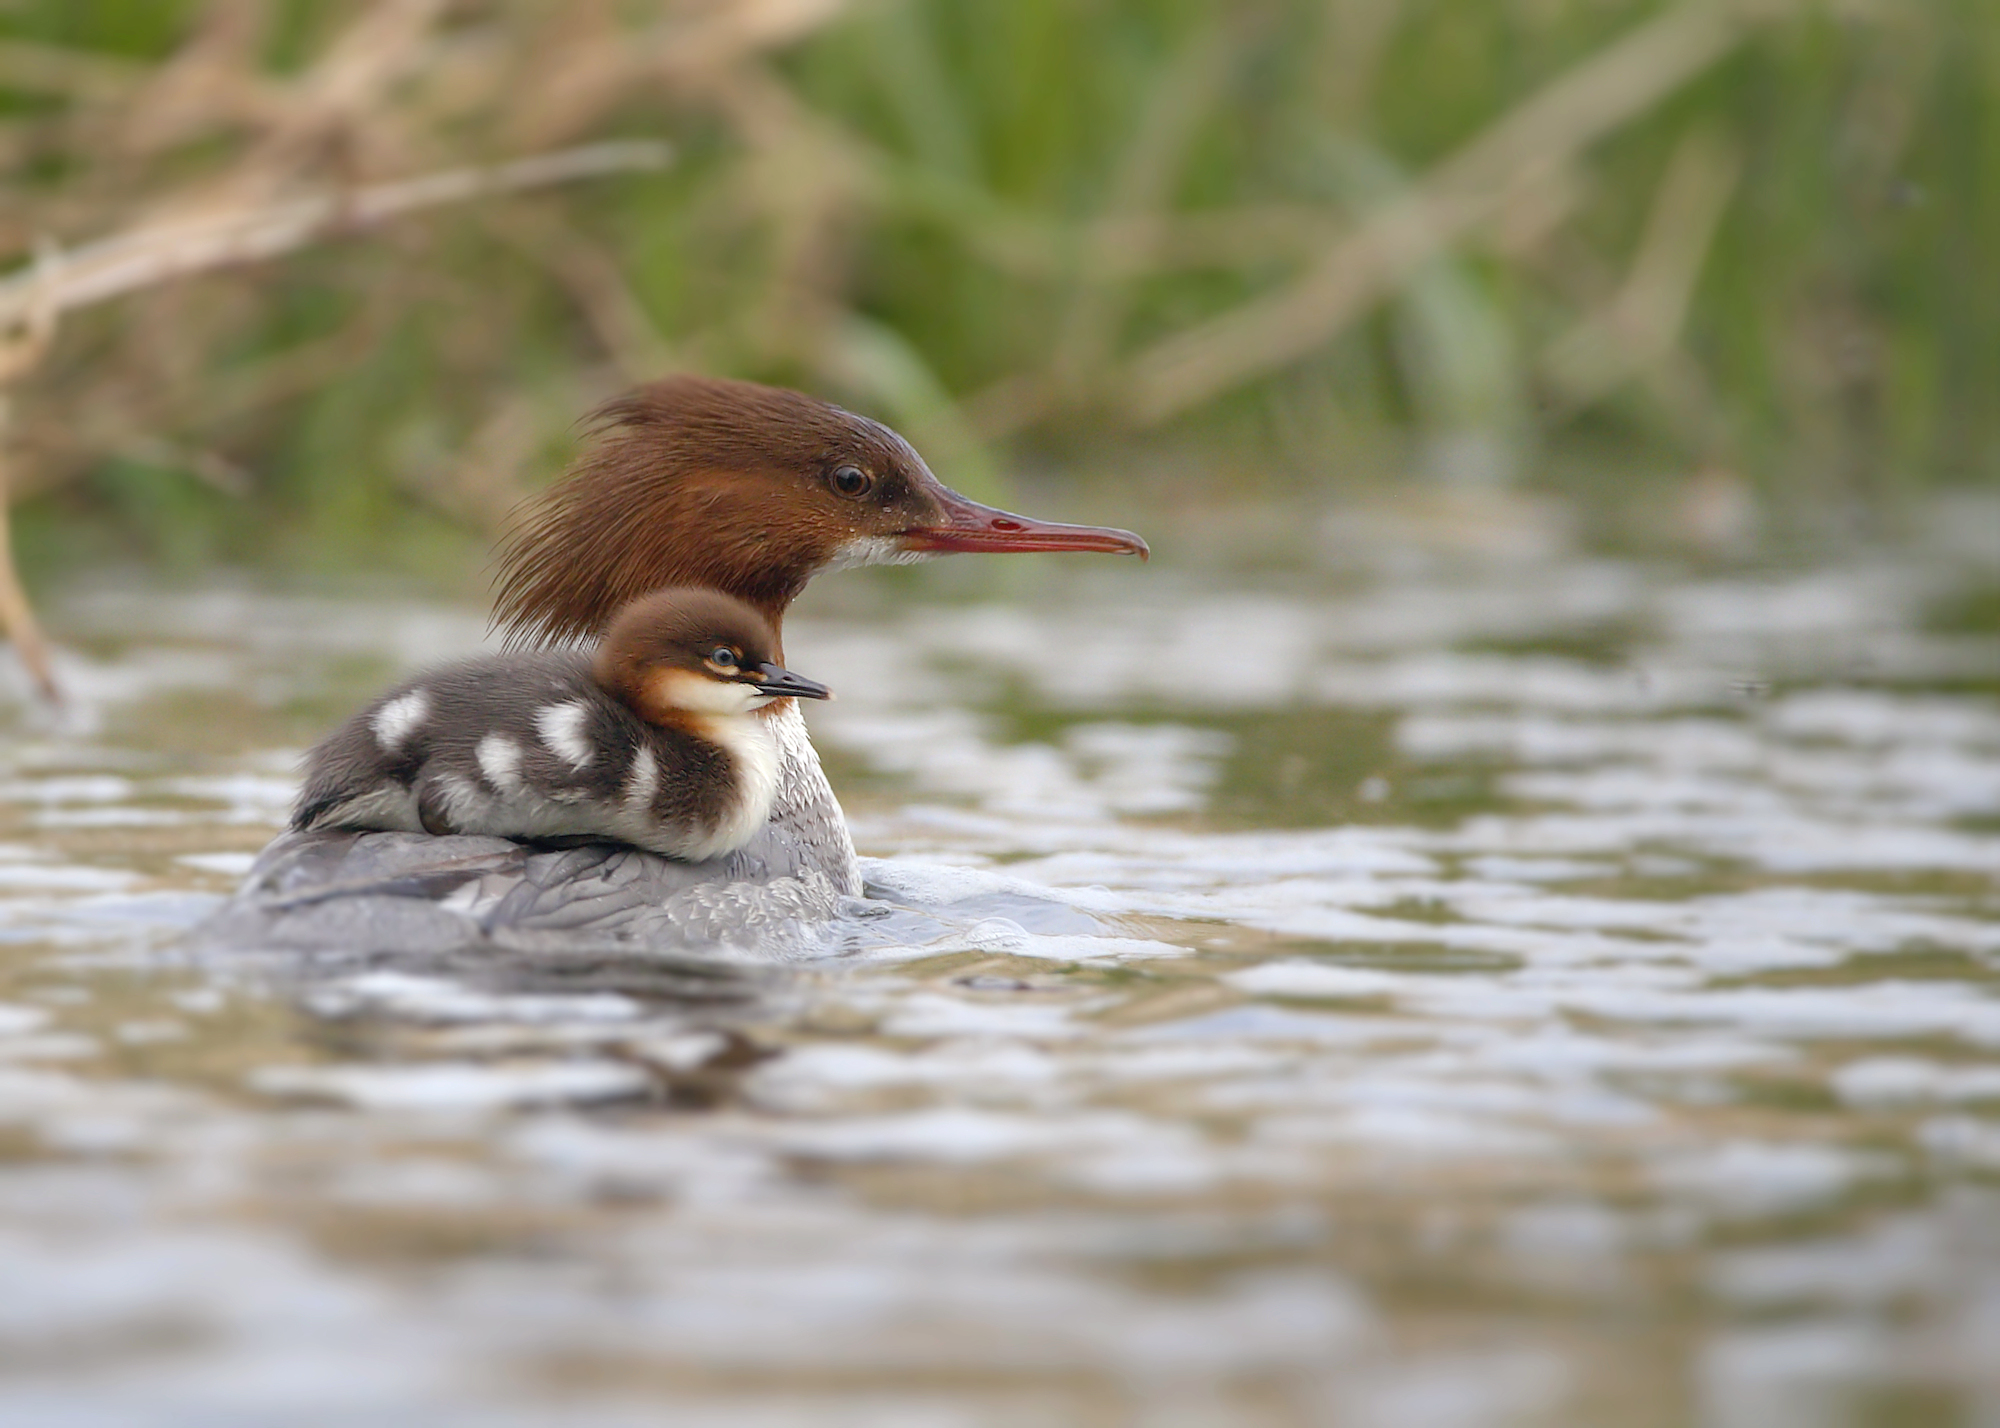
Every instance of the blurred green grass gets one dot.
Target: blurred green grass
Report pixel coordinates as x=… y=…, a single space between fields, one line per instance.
x=1766 y=300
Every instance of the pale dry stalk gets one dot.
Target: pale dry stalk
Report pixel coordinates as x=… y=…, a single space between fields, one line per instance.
x=1641 y=323
x=177 y=248
x=392 y=89
x=690 y=49
x=1549 y=129
x=233 y=219
x=1142 y=185
x=17 y=616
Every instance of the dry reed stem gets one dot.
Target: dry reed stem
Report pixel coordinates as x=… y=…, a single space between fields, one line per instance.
x=391 y=88
x=160 y=252
x=25 y=338
x=1641 y=323
x=32 y=301
x=1548 y=129
x=591 y=278
x=17 y=616
x=1182 y=94
x=586 y=81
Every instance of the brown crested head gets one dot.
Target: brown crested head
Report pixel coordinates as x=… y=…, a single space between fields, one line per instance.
x=741 y=488
x=695 y=651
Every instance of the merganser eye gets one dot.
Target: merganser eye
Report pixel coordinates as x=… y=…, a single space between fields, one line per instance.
x=724 y=656
x=851 y=481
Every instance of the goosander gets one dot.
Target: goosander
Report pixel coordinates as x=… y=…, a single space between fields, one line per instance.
x=651 y=741
x=692 y=481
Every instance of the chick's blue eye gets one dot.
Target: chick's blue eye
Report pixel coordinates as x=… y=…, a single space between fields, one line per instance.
x=723 y=655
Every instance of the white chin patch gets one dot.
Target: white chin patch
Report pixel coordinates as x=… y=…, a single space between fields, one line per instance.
x=684 y=689
x=874 y=550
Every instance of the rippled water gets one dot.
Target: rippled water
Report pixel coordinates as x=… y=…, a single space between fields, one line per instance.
x=1530 y=990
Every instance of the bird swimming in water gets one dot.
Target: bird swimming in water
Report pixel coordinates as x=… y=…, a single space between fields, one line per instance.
x=651 y=741
x=691 y=481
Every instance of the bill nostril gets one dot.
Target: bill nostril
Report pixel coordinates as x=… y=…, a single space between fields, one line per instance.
x=1006 y=525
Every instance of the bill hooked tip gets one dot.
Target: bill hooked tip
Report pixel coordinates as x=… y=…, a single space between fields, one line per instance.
x=777 y=681
x=967 y=526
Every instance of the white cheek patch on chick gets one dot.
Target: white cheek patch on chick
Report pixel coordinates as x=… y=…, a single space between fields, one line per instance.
x=697 y=694
x=399 y=718
x=561 y=728
x=500 y=760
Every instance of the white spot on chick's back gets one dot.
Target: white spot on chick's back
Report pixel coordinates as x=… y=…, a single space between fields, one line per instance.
x=396 y=720
x=561 y=728
x=500 y=760
x=644 y=780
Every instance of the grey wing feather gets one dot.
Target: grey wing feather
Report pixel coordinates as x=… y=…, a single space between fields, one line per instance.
x=406 y=894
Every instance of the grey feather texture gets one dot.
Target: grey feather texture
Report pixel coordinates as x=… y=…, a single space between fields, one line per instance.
x=405 y=894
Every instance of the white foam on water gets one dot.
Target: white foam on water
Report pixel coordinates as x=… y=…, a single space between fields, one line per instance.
x=1887 y=1263
x=233 y=865
x=440 y=999
x=1752 y=1178
x=930 y=1014
x=15 y=1020
x=1883 y=1082
x=446 y=1087
x=962 y=1136
x=825 y=1077
x=81 y=788
x=57 y=877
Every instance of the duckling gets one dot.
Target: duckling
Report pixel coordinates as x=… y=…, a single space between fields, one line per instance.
x=652 y=740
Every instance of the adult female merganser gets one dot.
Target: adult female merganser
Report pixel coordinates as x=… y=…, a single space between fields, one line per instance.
x=651 y=741
x=692 y=481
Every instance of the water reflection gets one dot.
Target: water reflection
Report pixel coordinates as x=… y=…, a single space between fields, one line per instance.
x=1552 y=993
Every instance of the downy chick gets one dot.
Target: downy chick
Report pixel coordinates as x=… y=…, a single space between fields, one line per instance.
x=654 y=739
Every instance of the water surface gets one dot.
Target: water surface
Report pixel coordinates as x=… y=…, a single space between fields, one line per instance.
x=1514 y=989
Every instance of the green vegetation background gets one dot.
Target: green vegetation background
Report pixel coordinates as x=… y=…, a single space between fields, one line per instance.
x=929 y=207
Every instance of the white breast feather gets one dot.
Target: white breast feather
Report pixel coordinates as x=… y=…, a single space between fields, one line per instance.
x=753 y=756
